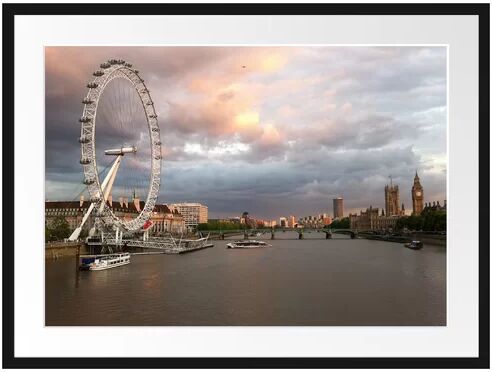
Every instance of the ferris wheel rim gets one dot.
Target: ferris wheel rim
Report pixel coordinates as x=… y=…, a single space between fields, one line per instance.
x=118 y=69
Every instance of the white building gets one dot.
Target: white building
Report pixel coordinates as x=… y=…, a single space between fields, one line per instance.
x=193 y=213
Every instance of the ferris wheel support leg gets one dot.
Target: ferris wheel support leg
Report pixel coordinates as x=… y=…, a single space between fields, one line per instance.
x=119 y=236
x=78 y=230
x=106 y=186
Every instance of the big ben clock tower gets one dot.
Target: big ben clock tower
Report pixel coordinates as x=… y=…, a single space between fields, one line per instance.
x=417 y=196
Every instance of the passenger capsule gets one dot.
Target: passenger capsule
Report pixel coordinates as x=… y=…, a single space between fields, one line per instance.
x=112 y=61
x=155 y=130
x=158 y=143
x=84 y=119
x=87 y=101
x=105 y=65
x=98 y=73
x=92 y=85
x=153 y=116
x=85 y=161
x=128 y=65
x=84 y=139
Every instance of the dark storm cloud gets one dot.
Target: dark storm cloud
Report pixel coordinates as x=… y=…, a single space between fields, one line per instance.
x=282 y=135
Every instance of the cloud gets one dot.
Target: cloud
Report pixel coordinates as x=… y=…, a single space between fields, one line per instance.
x=274 y=130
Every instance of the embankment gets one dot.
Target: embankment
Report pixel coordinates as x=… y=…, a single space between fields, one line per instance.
x=57 y=250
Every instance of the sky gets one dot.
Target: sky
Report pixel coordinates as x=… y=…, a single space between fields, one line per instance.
x=275 y=131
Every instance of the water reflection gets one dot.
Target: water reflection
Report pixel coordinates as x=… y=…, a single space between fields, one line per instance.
x=309 y=282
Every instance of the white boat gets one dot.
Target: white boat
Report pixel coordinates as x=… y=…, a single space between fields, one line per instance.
x=415 y=244
x=106 y=262
x=248 y=244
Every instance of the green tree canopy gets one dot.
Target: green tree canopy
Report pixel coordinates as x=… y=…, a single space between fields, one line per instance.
x=58 y=229
x=427 y=221
x=215 y=225
x=343 y=223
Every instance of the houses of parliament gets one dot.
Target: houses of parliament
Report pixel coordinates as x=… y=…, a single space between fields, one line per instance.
x=392 y=199
x=371 y=219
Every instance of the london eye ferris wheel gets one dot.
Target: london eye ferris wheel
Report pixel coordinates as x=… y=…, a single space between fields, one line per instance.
x=127 y=144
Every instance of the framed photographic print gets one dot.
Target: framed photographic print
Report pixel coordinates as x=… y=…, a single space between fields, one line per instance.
x=246 y=185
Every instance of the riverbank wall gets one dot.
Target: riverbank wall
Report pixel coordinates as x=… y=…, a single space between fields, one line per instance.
x=57 y=250
x=431 y=239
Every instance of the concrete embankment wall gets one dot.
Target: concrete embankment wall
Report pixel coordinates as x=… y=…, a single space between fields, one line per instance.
x=64 y=249
x=430 y=239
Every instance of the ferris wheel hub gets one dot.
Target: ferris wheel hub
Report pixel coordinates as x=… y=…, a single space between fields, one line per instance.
x=121 y=151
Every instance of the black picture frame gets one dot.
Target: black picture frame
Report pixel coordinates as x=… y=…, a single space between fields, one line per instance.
x=11 y=10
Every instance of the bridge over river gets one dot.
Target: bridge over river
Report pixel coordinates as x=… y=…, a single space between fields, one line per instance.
x=273 y=233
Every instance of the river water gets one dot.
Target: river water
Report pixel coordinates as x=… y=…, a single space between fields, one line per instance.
x=338 y=282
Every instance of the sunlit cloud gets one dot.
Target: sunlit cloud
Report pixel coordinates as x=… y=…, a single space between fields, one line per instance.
x=291 y=125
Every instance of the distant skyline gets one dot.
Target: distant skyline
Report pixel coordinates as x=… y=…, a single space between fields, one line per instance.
x=275 y=131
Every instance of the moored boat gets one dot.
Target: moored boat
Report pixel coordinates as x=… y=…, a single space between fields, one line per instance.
x=104 y=262
x=248 y=244
x=415 y=244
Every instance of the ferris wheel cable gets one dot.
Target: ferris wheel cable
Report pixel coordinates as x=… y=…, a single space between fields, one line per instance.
x=118 y=98
x=128 y=105
x=83 y=189
x=114 y=105
x=115 y=108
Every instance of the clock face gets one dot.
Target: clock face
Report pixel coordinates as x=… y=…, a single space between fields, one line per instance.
x=418 y=193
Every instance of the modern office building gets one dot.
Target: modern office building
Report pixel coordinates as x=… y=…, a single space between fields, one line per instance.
x=338 y=207
x=327 y=221
x=193 y=213
x=292 y=221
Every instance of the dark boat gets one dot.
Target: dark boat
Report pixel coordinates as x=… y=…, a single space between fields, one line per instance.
x=415 y=244
x=86 y=263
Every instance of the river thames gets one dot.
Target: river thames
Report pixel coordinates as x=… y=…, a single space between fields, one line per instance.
x=312 y=282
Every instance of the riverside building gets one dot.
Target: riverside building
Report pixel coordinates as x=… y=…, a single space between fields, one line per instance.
x=164 y=220
x=371 y=220
x=193 y=213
